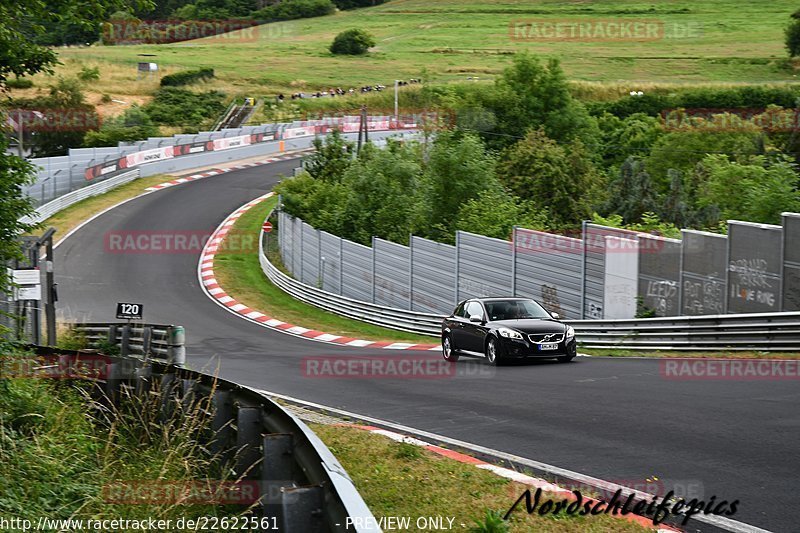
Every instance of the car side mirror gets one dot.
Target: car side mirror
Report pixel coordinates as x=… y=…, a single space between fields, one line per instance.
x=475 y=318
x=555 y=315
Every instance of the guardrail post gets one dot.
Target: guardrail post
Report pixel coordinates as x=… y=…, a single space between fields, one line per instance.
x=144 y=379
x=248 y=442
x=112 y=334
x=222 y=424
x=168 y=382
x=301 y=508
x=188 y=393
x=277 y=472
x=147 y=336
x=176 y=351
x=113 y=382
x=124 y=347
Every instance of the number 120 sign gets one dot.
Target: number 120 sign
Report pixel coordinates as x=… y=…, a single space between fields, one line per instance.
x=129 y=311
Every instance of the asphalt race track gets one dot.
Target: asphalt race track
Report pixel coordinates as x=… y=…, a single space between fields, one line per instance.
x=615 y=419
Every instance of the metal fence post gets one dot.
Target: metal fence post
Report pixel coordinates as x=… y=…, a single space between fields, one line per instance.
x=458 y=248
x=514 y=261
x=341 y=266
x=583 y=270
x=411 y=272
x=373 y=269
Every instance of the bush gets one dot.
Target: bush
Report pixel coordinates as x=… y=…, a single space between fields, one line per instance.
x=186 y=77
x=19 y=83
x=89 y=74
x=295 y=9
x=175 y=107
x=352 y=42
x=758 y=97
x=354 y=4
x=793 y=38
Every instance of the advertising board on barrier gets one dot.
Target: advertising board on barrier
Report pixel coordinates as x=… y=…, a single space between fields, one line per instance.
x=231 y=142
x=305 y=129
x=148 y=156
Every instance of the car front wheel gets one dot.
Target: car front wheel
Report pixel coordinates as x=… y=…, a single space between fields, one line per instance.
x=447 y=350
x=492 y=355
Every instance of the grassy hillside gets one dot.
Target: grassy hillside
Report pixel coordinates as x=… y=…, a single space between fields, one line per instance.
x=449 y=40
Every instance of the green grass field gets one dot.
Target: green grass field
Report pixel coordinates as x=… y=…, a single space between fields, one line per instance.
x=699 y=42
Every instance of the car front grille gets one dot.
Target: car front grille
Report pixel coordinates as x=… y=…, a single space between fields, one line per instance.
x=546 y=337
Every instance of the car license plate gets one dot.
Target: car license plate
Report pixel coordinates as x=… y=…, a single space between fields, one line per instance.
x=548 y=346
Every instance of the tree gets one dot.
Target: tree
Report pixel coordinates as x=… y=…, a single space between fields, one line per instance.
x=133 y=125
x=494 y=213
x=331 y=157
x=20 y=55
x=792 y=34
x=352 y=42
x=532 y=95
x=634 y=135
x=758 y=191
x=631 y=193
x=458 y=168
x=561 y=180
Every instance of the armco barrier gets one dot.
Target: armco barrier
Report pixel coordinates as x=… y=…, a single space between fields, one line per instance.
x=162 y=343
x=302 y=488
x=761 y=331
x=51 y=208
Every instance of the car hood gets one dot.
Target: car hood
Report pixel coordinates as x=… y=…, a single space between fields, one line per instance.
x=532 y=325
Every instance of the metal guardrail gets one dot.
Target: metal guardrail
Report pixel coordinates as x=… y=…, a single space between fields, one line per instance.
x=161 y=343
x=761 y=332
x=49 y=209
x=300 y=482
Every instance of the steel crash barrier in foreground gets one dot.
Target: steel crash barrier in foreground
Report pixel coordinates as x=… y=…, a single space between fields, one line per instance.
x=299 y=486
x=755 y=331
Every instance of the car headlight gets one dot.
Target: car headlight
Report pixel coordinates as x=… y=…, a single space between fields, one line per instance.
x=570 y=332
x=509 y=333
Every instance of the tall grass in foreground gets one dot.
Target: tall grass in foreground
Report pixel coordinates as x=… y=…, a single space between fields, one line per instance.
x=62 y=447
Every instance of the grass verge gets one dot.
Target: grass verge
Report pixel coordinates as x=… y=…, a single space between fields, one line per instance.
x=402 y=480
x=238 y=271
x=66 y=455
x=68 y=219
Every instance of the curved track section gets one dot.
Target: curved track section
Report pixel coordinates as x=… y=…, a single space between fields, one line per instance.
x=615 y=419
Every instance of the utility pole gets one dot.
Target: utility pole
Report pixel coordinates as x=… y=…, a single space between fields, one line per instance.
x=36 y=328
x=366 y=124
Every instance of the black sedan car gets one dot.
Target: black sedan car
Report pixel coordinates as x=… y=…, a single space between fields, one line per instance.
x=504 y=329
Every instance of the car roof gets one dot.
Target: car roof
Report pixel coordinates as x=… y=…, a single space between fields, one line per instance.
x=498 y=299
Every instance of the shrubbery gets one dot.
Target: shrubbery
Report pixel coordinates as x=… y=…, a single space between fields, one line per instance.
x=295 y=9
x=352 y=42
x=133 y=125
x=354 y=4
x=186 y=77
x=172 y=106
x=19 y=83
x=703 y=98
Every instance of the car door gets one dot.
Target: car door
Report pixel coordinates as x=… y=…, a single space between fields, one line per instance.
x=474 y=333
x=456 y=324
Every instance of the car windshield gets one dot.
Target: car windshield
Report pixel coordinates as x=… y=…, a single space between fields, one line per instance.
x=515 y=309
